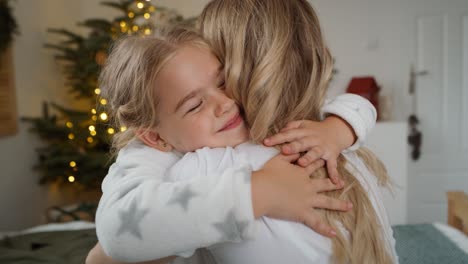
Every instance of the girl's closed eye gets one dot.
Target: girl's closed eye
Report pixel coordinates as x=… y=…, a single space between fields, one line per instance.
x=222 y=85
x=195 y=107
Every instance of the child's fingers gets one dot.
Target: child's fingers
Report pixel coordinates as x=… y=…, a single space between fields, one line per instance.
x=316 y=223
x=289 y=158
x=332 y=170
x=286 y=136
x=300 y=145
x=325 y=202
x=314 y=166
x=312 y=155
x=293 y=124
x=324 y=185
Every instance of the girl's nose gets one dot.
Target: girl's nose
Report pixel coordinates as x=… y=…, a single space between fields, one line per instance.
x=224 y=104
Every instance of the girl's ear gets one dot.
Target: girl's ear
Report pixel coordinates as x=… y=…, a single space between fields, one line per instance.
x=152 y=139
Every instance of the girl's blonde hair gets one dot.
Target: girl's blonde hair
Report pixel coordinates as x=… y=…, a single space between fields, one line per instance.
x=277 y=67
x=128 y=78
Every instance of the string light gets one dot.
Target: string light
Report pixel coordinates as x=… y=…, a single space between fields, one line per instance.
x=94 y=118
x=93 y=133
x=97 y=91
x=93 y=111
x=103 y=101
x=92 y=128
x=71 y=136
x=135 y=28
x=147 y=31
x=90 y=140
x=111 y=131
x=71 y=178
x=131 y=15
x=123 y=24
x=103 y=116
x=140 y=5
x=122 y=129
x=147 y=15
x=72 y=164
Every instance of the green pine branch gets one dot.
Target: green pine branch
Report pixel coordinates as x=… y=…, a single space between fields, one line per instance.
x=65 y=131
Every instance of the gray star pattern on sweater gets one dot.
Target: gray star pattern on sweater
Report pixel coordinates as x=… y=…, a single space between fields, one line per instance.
x=130 y=220
x=241 y=172
x=183 y=197
x=242 y=225
x=247 y=178
x=228 y=228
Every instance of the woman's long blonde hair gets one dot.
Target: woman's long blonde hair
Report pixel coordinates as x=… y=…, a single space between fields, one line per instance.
x=278 y=67
x=128 y=78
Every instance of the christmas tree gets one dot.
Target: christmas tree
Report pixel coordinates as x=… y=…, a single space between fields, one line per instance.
x=77 y=143
x=8 y=26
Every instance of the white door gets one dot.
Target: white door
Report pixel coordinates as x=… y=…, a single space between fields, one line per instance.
x=441 y=106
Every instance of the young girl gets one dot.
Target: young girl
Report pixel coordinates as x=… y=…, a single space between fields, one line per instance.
x=167 y=137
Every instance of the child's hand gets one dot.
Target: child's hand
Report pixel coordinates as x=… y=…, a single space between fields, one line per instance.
x=320 y=140
x=285 y=191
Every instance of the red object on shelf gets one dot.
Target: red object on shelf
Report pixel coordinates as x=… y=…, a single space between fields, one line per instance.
x=366 y=87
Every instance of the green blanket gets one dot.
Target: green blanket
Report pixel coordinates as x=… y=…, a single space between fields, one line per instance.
x=415 y=244
x=59 y=247
x=425 y=244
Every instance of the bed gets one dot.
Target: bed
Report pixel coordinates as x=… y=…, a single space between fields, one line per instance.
x=433 y=243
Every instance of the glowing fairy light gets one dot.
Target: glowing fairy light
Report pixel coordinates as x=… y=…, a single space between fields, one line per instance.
x=72 y=164
x=71 y=178
x=103 y=116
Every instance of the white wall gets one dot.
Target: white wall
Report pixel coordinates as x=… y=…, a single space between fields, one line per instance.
x=37 y=79
x=370 y=37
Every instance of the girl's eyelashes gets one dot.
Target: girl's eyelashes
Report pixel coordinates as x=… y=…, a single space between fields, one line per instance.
x=222 y=85
x=195 y=107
